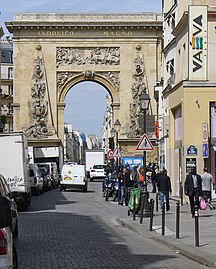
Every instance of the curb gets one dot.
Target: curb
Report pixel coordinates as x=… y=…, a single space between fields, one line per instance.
x=172 y=243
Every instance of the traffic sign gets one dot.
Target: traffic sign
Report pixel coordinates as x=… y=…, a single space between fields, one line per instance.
x=110 y=154
x=144 y=143
x=117 y=153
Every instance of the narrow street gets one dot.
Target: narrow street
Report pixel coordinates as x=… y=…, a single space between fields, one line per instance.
x=72 y=229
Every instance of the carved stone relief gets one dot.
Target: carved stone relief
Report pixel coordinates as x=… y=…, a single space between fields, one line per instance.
x=38 y=105
x=63 y=78
x=111 y=76
x=87 y=56
x=137 y=88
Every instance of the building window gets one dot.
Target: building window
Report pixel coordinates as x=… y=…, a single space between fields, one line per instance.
x=170 y=67
x=10 y=108
x=10 y=72
x=10 y=90
x=10 y=126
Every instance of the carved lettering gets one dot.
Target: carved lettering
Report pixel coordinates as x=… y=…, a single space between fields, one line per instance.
x=55 y=33
x=118 y=33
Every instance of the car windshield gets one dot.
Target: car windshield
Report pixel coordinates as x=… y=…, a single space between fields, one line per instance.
x=42 y=171
x=99 y=166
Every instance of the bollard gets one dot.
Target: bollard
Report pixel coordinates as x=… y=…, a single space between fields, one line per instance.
x=196 y=226
x=163 y=218
x=134 y=207
x=157 y=196
x=128 y=212
x=177 y=219
x=141 y=207
x=152 y=214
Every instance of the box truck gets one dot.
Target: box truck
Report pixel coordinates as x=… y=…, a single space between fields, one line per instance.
x=93 y=157
x=14 y=166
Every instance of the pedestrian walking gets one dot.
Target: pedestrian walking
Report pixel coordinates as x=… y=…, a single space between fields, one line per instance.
x=124 y=182
x=135 y=174
x=193 y=189
x=207 y=186
x=164 y=188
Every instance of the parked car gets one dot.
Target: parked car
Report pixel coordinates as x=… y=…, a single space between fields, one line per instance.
x=47 y=182
x=53 y=171
x=98 y=172
x=8 y=254
x=36 y=180
x=5 y=192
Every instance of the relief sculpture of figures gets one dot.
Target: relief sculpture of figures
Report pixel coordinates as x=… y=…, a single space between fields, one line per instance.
x=137 y=88
x=38 y=106
x=88 y=56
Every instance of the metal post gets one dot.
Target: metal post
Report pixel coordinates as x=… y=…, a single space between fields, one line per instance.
x=177 y=219
x=134 y=207
x=181 y=193
x=196 y=226
x=163 y=218
x=145 y=211
x=152 y=214
x=142 y=207
x=157 y=198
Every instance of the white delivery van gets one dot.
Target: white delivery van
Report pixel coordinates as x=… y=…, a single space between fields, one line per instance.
x=73 y=176
x=93 y=157
x=14 y=166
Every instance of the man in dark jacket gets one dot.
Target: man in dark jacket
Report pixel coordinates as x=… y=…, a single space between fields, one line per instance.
x=124 y=182
x=193 y=189
x=164 y=187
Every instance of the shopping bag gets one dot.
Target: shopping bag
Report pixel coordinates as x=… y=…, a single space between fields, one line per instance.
x=202 y=204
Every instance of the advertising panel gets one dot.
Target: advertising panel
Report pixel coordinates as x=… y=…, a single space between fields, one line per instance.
x=197 y=43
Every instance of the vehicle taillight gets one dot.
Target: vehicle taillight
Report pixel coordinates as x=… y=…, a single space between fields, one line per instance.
x=93 y=170
x=3 y=243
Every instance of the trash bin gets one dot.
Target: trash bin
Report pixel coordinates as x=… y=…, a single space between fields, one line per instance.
x=136 y=192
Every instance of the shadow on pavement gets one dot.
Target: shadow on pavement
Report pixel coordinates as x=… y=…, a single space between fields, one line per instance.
x=67 y=240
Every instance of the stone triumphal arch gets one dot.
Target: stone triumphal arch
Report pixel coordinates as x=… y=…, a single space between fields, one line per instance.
x=53 y=52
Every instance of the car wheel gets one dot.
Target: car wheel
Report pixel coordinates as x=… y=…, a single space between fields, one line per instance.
x=15 y=232
x=15 y=261
x=85 y=189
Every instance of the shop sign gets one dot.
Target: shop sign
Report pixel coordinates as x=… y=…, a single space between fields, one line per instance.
x=192 y=150
x=205 y=150
x=197 y=47
x=190 y=164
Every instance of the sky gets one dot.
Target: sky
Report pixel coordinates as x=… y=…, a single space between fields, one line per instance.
x=85 y=102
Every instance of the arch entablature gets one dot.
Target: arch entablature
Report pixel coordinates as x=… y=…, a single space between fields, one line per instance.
x=110 y=80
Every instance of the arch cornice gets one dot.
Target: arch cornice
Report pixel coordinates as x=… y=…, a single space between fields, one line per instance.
x=107 y=79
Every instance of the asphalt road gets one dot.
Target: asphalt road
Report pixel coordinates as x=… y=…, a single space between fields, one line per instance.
x=72 y=229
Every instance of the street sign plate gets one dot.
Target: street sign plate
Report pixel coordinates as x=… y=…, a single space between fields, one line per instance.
x=110 y=154
x=117 y=153
x=144 y=143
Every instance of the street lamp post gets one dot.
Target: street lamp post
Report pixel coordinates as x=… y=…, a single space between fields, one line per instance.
x=112 y=134
x=117 y=127
x=145 y=208
x=144 y=103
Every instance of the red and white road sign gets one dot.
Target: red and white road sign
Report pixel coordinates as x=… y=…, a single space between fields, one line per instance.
x=110 y=154
x=144 y=143
x=117 y=153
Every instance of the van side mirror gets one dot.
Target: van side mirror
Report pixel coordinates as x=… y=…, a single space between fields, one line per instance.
x=5 y=213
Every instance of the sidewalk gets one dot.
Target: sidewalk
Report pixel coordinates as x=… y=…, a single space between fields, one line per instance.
x=204 y=254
